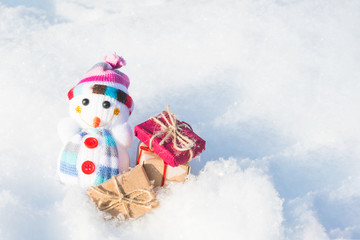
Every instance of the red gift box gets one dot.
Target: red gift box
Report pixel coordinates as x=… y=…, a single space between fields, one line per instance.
x=174 y=141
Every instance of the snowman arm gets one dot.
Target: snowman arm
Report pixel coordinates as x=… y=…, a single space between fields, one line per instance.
x=122 y=134
x=67 y=127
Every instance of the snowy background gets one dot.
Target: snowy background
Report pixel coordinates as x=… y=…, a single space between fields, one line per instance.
x=272 y=85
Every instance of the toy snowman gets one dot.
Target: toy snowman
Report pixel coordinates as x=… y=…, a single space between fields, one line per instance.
x=97 y=134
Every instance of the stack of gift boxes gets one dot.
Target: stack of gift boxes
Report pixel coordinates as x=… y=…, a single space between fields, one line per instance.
x=165 y=149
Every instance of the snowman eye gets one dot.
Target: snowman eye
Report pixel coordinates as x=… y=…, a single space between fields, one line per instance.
x=106 y=104
x=85 y=101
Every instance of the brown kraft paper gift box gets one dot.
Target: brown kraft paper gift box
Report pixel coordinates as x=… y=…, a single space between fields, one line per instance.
x=157 y=171
x=125 y=196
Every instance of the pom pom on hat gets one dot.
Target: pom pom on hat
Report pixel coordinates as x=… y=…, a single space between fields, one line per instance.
x=115 y=61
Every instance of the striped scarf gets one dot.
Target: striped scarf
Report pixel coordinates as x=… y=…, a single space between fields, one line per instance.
x=108 y=161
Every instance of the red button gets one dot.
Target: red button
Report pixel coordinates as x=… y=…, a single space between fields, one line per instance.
x=91 y=142
x=88 y=167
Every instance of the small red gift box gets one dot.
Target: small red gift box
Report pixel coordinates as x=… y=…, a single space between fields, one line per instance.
x=172 y=140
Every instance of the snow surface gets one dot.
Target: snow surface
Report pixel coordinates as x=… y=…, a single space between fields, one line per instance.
x=272 y=85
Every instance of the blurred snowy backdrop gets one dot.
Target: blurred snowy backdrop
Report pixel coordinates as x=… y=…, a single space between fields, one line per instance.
x=272 y=85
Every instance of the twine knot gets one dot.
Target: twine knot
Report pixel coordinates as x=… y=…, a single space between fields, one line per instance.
x=172 y=129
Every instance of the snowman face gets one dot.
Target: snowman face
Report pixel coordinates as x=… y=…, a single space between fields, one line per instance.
x=97 y=111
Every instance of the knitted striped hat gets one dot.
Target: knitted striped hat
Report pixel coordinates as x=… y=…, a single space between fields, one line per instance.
x=106 y=80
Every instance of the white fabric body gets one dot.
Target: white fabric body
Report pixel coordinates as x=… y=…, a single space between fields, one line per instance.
x=113 y=119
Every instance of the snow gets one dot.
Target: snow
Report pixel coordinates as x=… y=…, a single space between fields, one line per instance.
x=272 y=86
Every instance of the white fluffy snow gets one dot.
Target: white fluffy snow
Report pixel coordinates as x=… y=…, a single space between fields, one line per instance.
x=272 y=86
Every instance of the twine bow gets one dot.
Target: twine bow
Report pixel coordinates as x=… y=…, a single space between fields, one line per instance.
x=113 y=200
x=172 y=129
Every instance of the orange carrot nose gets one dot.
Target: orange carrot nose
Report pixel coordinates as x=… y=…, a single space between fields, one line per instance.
x=96 y=122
